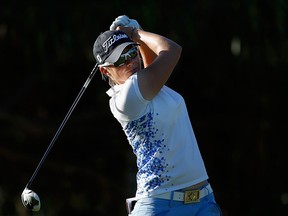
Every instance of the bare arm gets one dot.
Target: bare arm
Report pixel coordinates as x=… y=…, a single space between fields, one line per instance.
x=147 y=54
x=160 y=56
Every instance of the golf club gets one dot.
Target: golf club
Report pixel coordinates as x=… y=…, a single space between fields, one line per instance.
x=29 y=198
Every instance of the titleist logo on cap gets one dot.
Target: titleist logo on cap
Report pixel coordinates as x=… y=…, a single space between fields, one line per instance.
x=111 y=40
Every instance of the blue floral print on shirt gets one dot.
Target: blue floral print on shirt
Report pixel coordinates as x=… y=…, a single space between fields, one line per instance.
x=148 y=145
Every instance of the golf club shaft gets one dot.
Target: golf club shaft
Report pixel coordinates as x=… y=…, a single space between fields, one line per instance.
x=91 y=75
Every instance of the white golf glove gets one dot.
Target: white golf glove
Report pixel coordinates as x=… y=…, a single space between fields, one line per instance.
x=124 y=20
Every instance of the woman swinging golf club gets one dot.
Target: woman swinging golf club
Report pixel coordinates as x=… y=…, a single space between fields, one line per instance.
x=172 y=178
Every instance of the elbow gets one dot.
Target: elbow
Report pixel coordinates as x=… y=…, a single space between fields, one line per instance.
x=178 y=49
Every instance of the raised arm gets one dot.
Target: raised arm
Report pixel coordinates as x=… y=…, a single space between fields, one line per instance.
x=160 y=56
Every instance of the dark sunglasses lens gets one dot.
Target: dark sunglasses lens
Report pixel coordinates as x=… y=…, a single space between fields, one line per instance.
x=131 y=54
x=120 y=61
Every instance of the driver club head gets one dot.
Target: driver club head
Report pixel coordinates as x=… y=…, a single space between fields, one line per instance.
x=30 y=200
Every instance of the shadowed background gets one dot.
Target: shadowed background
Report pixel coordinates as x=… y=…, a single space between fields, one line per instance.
x=232 y=74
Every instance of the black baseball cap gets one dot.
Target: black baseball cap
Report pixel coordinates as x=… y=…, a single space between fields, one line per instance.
x=109 y=46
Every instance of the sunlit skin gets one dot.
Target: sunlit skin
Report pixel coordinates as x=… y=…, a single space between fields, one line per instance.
x=158 y=54
x=120 y=74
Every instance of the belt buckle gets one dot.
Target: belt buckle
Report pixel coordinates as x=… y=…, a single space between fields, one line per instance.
x=191 y=196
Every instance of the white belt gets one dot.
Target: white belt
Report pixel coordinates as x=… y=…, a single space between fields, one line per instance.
x=189 y=196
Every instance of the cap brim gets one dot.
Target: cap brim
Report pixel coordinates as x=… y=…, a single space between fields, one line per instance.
x=116 y=53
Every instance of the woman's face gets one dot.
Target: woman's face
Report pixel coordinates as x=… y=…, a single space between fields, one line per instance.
x=128 y=66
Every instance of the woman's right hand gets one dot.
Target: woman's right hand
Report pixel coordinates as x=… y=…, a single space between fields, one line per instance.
x=124 y=20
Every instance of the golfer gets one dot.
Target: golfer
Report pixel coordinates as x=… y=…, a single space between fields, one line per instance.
x=172 y=179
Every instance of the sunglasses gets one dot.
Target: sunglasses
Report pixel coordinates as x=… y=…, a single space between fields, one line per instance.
x=130 y=54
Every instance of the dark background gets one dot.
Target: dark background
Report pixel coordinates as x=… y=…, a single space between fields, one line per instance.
x=237 y=101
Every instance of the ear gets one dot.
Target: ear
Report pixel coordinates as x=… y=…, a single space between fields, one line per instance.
x=103 y=70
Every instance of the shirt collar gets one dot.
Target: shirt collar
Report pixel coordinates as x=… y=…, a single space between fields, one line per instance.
x=114 y=90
